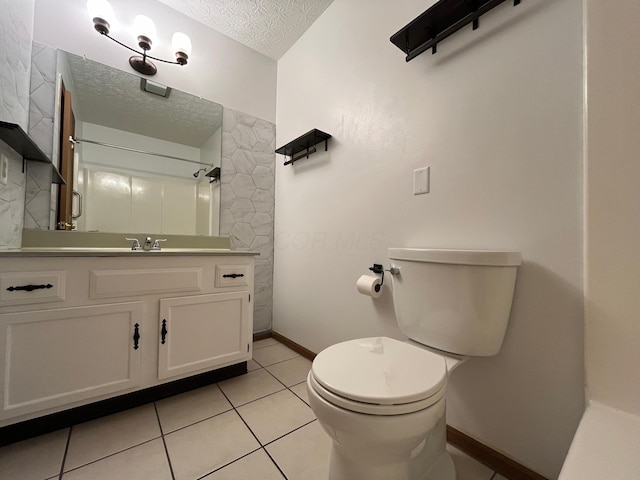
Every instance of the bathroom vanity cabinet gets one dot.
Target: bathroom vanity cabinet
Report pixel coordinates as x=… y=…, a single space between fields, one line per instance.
x=79 y=329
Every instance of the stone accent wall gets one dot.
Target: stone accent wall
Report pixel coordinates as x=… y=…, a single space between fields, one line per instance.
x=16 y=33
x=247 y=200
x=41 y=120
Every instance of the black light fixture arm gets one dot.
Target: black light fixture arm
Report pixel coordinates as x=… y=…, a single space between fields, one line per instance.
x=144 y=53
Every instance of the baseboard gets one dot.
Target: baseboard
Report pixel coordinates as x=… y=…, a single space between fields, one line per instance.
x=261 y=335
x=308 y=354
x=496 y=461
x=502 y=464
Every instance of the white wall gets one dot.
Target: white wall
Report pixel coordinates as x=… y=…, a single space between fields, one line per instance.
x=220 y=69
x=612 y=262
x=497 y=114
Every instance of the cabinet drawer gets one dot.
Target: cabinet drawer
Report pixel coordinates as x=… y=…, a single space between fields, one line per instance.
x=232 y=275
x=123 y=283
x=18 y=288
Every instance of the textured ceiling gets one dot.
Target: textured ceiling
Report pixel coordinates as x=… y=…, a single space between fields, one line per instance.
x=113 y=98
x=268 y=26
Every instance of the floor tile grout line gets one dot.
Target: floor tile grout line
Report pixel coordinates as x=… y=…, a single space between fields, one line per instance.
x=281 y=382
x=64 y=456
x=199 y=421
x=229 y=463
x=275 y=463
x=265 y=346
x=164 y=443
x=113 y=454
x=243 y=421
x=278 y=362
x=262 y=446
x=256 y=437
x=231 y=407
x=289 y=433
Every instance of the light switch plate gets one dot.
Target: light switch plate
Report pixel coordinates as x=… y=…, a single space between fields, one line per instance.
x=421 y=181
x=4 y=169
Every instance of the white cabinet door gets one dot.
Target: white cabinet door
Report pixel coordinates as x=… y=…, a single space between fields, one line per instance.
x=55 y=357
x=201 y=332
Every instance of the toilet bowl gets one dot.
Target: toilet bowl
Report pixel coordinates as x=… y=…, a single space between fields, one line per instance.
x=382 y=400
x=379 y=413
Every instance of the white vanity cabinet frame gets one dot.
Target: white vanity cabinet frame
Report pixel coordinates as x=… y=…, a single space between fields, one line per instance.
x=138 y=284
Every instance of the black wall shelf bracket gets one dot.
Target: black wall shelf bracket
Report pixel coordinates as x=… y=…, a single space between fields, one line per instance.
x=14 y=136
x=304 y=145
x=438 y=22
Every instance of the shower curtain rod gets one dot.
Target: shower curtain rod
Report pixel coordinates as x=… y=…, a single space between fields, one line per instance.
x=75 y=140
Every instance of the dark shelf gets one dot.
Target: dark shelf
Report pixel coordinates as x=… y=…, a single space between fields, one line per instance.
x=14 y=136
x=304 y=143
x=441 y=20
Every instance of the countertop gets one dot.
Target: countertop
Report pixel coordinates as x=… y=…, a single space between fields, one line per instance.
x=117 y=252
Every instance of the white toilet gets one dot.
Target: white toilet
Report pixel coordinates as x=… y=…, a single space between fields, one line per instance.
x=381 y=400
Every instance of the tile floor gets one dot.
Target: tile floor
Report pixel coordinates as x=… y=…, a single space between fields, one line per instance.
x=254 y=427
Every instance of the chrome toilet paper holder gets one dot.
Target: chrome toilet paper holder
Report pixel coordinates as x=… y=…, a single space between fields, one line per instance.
x=379 y=269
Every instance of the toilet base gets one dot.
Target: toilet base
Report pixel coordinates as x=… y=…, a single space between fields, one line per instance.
x=431 y=461
x=341 y=469
x=443 y=469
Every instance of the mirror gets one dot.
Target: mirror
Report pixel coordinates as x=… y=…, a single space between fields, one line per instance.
x=143 y=154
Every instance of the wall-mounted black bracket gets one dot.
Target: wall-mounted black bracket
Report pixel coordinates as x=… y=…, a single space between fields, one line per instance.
x=213 y=174
x=438 y=22
x=379 y=269
x=14 y=136
x=304 y=145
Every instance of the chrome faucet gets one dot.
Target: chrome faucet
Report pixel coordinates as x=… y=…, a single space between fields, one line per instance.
x=156 y=243
x=147 y=244
x=136 y=243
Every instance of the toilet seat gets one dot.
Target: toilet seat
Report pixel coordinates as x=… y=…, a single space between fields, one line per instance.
x=379 y=376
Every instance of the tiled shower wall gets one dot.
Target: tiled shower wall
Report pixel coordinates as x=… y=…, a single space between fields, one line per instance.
x=16 y=33
x=38 y=202
x=247 y=200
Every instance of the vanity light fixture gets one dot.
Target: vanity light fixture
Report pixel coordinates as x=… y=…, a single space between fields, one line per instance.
x=145 y=33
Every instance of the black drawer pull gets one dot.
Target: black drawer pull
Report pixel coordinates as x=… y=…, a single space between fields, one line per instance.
x=29 y=288
x=136 y=336
x=233 y=275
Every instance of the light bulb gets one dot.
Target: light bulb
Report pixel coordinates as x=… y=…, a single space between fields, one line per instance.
x=145 y=31
x=181 y=44
x=102 y=14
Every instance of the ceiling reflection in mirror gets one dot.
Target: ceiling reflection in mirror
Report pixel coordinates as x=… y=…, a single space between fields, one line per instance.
x=142 y=153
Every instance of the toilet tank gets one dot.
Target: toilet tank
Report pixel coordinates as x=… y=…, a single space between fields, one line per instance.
x=454 y=300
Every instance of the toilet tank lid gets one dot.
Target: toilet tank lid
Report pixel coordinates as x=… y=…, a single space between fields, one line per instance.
x=458 y=257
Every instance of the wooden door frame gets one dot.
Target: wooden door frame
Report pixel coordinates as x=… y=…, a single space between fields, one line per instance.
x=64 y=219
